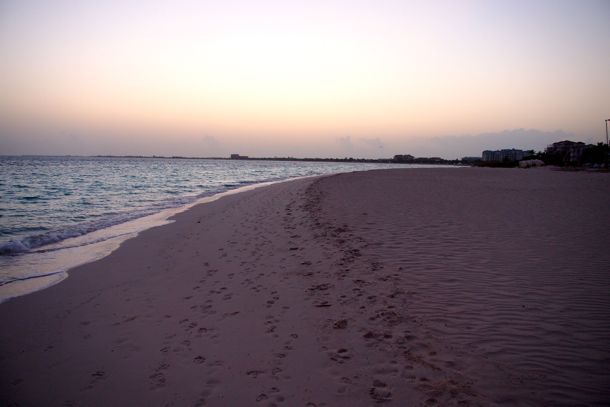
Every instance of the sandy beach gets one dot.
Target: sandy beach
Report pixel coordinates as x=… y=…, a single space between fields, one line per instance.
x=465 y=287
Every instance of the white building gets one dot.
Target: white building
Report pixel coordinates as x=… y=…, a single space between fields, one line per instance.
x=503 y=155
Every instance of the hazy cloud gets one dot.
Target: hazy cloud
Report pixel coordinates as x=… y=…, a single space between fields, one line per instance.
x=457 y=146
x=360 y=147
x=372 y=142
x=345 y=143
x=38 y=140
x=211 y=145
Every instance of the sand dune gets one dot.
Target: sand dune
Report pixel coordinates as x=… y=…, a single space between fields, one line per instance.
x=398 y=287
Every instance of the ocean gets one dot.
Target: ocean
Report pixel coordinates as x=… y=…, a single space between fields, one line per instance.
x=60 y=212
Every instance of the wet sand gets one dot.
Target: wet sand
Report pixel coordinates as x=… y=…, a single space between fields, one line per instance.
x=394 y=287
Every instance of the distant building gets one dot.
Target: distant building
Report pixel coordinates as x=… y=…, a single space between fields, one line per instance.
x=530 y=163
x=568 y=151
x=238 y=157
x=503 y=155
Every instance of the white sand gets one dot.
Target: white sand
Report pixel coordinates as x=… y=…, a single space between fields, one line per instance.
x=401 y=287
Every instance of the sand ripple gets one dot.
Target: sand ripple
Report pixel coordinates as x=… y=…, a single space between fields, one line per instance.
x=509 y=267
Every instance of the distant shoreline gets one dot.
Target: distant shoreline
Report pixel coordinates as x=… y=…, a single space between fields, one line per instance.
x=417 y=160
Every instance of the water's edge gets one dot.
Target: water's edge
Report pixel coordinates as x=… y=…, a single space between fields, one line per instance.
x=51 y=265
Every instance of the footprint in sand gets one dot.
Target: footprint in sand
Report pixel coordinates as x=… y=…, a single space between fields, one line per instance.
x=158 y=378
x=340 y=356
x=254 y=373
x=341 y=324
x=262 y=397
x=380 y=391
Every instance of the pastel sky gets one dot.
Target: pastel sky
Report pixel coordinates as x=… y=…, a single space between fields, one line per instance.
x=308 y=78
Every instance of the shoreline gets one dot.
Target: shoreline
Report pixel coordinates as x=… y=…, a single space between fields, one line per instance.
x=54 y=261
x=140 y=198
x=428 y=287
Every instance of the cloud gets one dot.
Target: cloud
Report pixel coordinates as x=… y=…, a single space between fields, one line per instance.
x=211 y=145
x=345 y=143
x=372 y=142
x=359 y=147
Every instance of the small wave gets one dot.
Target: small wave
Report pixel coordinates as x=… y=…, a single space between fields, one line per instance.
x=32 y=242
x=28 y=244
x=94 y=241
x=13 y=247
x=16 y=279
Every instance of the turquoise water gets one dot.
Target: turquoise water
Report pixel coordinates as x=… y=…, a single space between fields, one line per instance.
x=58 y=212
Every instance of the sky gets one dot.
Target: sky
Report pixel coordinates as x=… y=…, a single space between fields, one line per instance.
x=286 y=78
